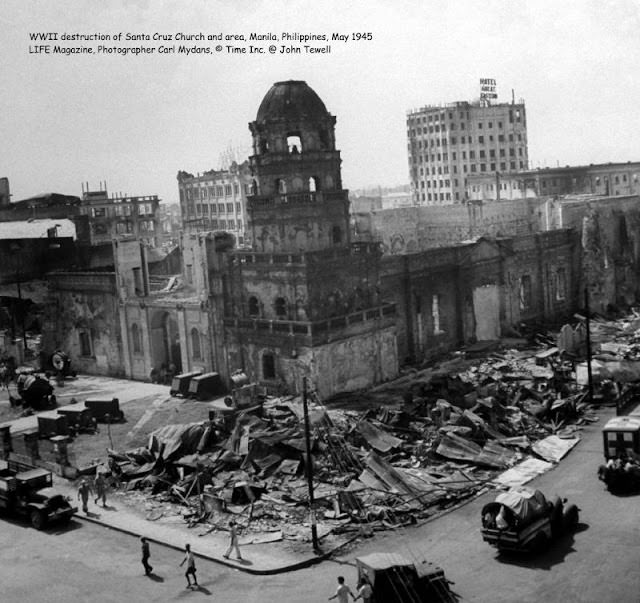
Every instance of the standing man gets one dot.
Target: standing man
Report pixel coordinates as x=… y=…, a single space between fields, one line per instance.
x=191 y=566
x=145 y=556
x=83 y=493
x=233 y=533
x=342 y=592
x=101 y=489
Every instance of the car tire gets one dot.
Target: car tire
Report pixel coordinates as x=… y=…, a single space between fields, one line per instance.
x=38 y=519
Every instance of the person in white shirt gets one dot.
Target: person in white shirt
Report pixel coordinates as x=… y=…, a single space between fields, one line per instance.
x=342 y=592
x=189 y=559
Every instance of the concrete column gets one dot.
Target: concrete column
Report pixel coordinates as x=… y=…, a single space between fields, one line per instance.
x=126 y=349
x=145 y=332
x=183 y=334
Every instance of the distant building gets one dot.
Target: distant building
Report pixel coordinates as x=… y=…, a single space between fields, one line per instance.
x=216 y=200
x=607 y=179
x=116 y=217
x=448 y=143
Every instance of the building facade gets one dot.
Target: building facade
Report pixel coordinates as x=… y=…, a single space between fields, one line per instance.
x=448 y=143
x=606 y=179
x=216 y=200
x=121 y=216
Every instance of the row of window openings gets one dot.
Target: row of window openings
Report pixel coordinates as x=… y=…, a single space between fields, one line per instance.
x=525 y=292
x=437 y=142
x=434 y=117
x=124 y=227
x=503 y=186
x=472 y=155
x=471 y=168
x=220 y=190
x=222 y=208
x=443 y=197
x=443 y=128
x=143 y=209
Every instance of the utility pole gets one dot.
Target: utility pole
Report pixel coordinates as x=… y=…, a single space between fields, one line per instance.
x=307 y=437
x=20 y=309
x=589 y=374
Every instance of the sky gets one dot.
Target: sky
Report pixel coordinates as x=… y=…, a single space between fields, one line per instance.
x=135 y=121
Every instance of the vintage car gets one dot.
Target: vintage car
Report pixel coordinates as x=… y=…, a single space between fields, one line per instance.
x=523 y=519
x=27 y=491
x=621 y=472
x=395 y=579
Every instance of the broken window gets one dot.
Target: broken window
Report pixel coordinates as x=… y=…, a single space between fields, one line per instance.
x=137 y=281
x=254 y=306
x=561 y=284
x=195 y=344
x=525 y=292
x=268 y=366
x=280 y=306
x=435 y=315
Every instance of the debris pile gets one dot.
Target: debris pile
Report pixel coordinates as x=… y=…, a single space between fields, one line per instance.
x=387 y=466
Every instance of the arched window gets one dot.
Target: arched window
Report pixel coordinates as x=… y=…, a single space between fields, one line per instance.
x=195 y=344
x=294 y=143
x=281 y=186
x=280 y=306
x=136 y=339
x=254 y=306
x=336 y=234
x=268 y=366
x=313 y=184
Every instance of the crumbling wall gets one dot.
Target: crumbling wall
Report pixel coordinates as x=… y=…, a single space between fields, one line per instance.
x=81 y=318
x=610 y=243
x=412 y=229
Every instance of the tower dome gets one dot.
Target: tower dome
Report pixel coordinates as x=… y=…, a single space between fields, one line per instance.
x=291 y=100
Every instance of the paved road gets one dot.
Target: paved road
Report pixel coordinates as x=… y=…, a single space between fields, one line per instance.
x=599 y=564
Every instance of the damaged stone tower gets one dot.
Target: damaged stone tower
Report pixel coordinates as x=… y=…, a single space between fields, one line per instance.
x=304 y=301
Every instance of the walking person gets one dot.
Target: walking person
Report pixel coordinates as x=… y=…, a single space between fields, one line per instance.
x=189 y=559
x=342 y=592
x=101 y=489
x=233 y=544
x=145 y=556
x=83 y=494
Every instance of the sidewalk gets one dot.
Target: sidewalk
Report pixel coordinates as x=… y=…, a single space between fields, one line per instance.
x=260 y=559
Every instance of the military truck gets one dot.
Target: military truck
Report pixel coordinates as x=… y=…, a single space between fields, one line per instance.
x=28 y=491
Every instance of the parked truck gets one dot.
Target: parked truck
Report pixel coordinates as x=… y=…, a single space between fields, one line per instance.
x=28 y=491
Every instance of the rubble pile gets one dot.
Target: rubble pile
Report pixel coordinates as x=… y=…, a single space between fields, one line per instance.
x=376 y=469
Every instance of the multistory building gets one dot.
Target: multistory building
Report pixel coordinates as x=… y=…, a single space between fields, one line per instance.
x=447 y=143
x=216 y=200
x=121 y=216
